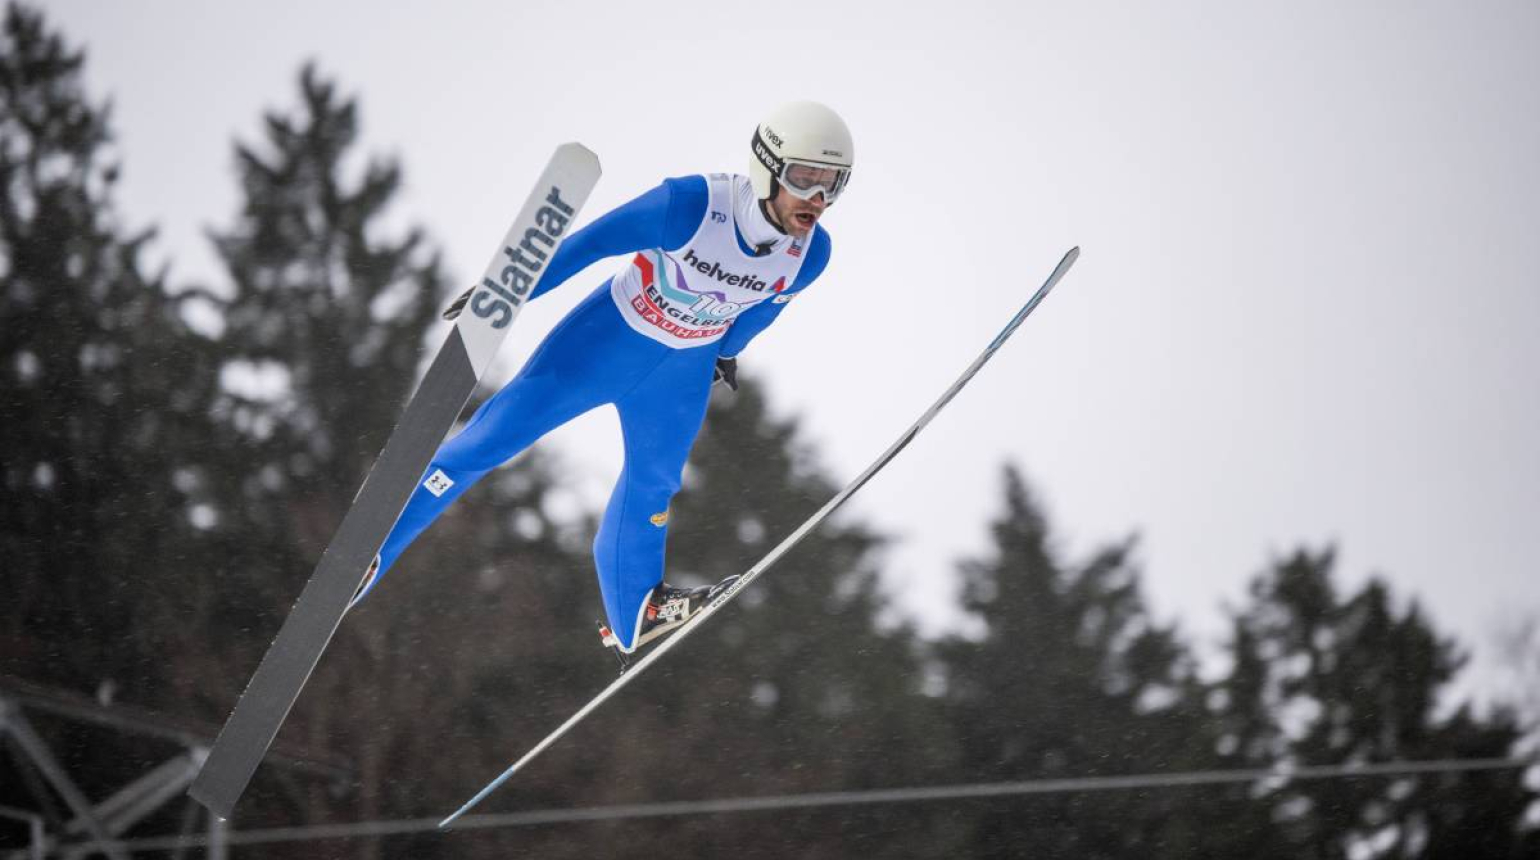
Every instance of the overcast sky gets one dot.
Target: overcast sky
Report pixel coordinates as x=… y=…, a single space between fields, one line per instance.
x=1306 y=311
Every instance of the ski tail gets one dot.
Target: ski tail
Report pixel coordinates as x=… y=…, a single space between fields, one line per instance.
x=469 y=347
x=731 y=590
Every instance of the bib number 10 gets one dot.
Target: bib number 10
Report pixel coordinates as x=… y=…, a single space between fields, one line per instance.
x=708 y=306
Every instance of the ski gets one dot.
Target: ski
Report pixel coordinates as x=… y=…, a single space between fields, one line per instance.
x=782 y=548
x=467 y=351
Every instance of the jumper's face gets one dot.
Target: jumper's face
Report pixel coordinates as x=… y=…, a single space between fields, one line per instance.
x=797 y=217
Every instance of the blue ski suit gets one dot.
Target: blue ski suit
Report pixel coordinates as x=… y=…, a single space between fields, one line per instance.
x=642 y=342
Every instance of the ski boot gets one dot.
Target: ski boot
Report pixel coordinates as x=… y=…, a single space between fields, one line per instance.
x=667 y=609
x=370 y=577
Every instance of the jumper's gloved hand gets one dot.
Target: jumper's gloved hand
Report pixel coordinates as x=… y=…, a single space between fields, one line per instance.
x=458 y=305
x=727 y=372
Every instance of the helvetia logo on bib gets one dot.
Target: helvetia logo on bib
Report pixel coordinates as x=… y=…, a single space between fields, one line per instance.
x=714 y=269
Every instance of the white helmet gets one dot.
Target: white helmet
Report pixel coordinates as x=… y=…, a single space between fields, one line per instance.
x=809 y=140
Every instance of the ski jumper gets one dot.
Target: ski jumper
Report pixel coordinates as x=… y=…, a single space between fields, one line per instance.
x=707 y=273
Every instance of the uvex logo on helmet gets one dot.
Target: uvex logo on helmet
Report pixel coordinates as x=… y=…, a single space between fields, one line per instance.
x=766 y=157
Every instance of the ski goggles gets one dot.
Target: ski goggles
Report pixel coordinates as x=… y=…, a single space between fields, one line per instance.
x=802 y=178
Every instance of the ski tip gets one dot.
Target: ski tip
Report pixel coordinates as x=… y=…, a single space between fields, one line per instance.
x=1069 y=259
x=574 y=150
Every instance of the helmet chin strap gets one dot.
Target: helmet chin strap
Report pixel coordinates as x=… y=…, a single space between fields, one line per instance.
x=764 y=209
x=758 y=228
